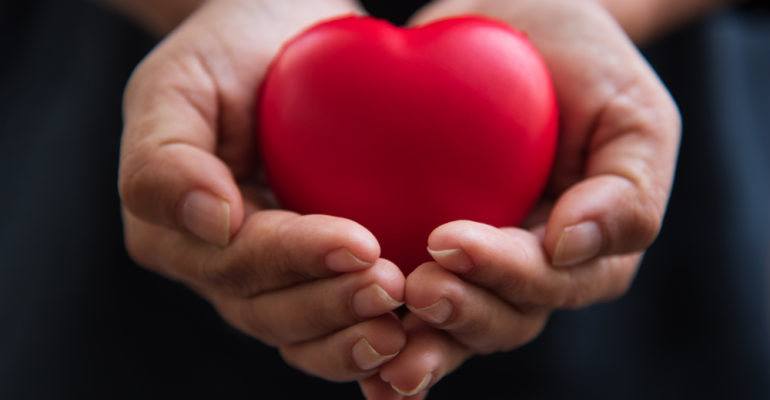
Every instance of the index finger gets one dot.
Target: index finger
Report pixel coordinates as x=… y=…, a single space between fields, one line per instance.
x=512 y=264
x=274 y=250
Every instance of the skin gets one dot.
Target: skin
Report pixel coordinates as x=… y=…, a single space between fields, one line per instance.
x=495 y=288
x=312 y=286
x=195 y=212
x=644 y=20
x=157 y=17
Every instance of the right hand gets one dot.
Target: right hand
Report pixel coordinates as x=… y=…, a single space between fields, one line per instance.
x=313 y=286
x=493 y=289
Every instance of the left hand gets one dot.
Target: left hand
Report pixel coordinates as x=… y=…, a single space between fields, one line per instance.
x=311 y=286
x=493 y=289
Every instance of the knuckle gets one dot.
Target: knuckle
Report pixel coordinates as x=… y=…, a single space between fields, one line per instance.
x=640 y=219
x=624 y=273
x=473 y=327
x=141 y=245
x=644 y=218
x=557 y=293
x=531 y=330
x=516 y=287
x=334 y=369
x=135 y=187
x=574 y=301
x=251 y=264
x=128 y=182
x=289 y=355
x=519 y=280
x=577 y=296
x=138 y=250
x=649 y=220
x=296 y=359
x=232 y=277
x=518 y=334
x=251 y=321
x=486 y=348
x=560 y=298
x=611 y=280
x=277 y=248
x=618 y=291
x=523 y=334
x=326 y=314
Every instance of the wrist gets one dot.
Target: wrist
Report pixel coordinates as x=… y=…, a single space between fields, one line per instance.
x=281 y=19
x=156 y=17
x=644 y=20
x=161 y=17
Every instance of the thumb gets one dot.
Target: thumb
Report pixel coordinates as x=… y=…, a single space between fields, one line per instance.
x=169 y=174
x=618 y=207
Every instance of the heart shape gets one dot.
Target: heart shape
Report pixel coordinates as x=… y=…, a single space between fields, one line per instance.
x=402 y=130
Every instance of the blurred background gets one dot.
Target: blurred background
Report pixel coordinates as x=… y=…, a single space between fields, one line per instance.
x=78 y=319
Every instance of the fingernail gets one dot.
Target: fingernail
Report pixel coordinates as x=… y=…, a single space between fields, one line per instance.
x=419 y=388
x=578 y=243
x=367 y=358
x=455 y=260
x=207 y=217
x=342 y=260
x=436 y=313
x=372 y=301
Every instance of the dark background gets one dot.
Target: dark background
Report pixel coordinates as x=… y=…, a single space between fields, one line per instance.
x=79 y=320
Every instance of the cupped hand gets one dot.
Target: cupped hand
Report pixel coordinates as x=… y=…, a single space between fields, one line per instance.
x=313 y=286
x=493 y=289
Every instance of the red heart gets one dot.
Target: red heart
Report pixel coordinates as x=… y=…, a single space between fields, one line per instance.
x=403 y=130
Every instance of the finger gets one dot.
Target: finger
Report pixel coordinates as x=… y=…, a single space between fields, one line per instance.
x=601 y=280
x=618 y=149
x=374 y=388
x=619 y=206
x=351 y=354
x=602 y=215
x=429 y=355
x=618 y=143
x=512 y=264
x=169 y=174
x=275 y=249
x=475 y=317
x=317 y=308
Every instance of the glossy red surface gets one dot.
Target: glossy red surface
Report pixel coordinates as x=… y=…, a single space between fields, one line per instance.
x=403 y=130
